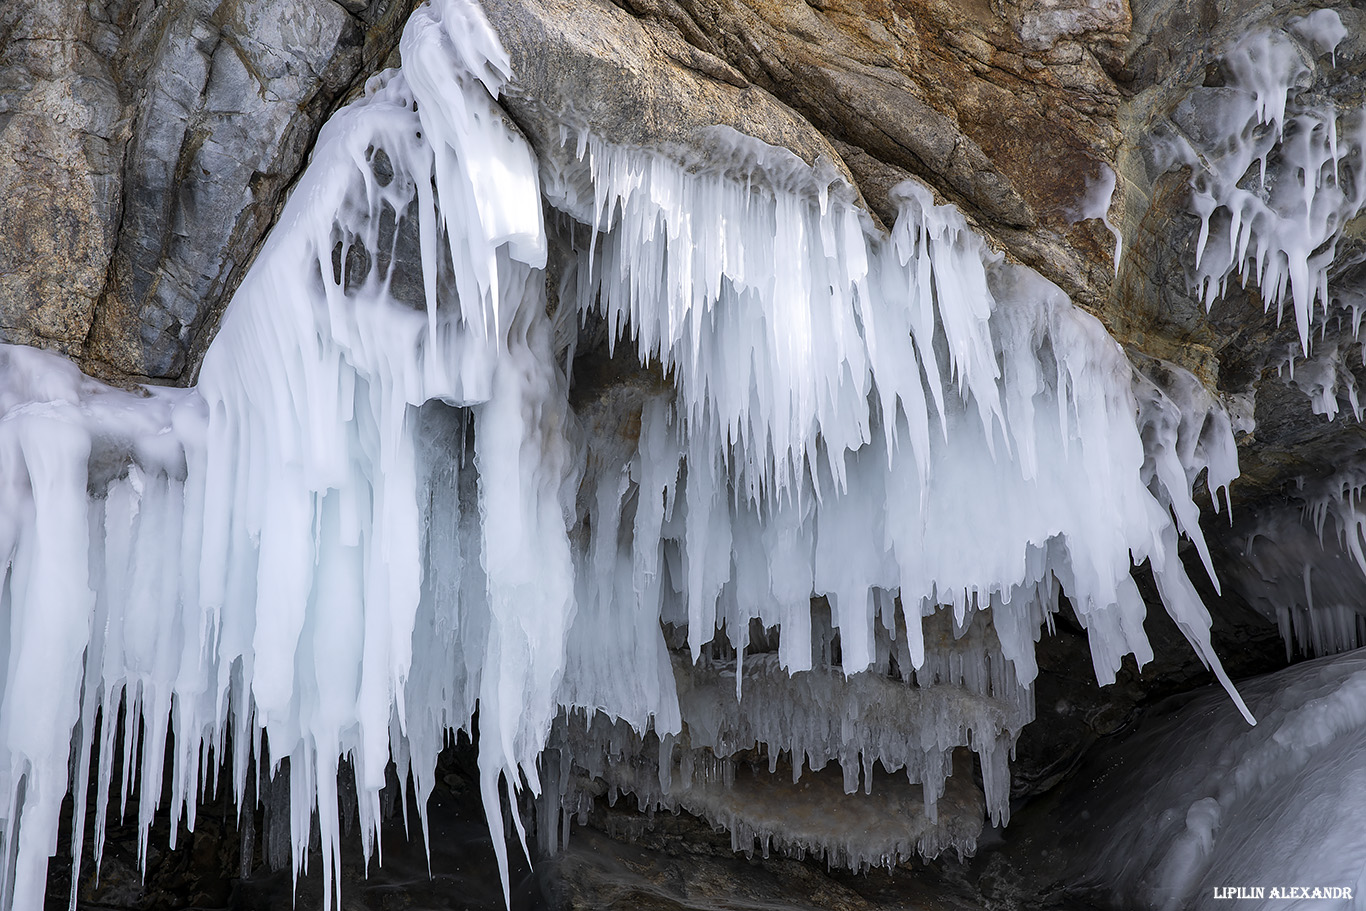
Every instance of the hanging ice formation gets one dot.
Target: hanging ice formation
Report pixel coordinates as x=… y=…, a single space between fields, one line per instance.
x=1304 y=565
x=1276 y=171
x=376 y=510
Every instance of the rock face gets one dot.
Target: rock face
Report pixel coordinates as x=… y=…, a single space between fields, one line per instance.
x=144 y=148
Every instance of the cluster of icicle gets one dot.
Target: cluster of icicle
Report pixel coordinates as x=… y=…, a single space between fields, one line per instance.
x=972 y=431
x=1276 y=171
x=1304 y=566
x=358 y=526
x=895 y=718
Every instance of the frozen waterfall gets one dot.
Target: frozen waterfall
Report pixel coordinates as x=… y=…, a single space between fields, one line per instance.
x=376 y=511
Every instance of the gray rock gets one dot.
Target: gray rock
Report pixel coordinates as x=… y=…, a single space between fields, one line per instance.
x=61 y=141
x=144 y=150
x=217 y=136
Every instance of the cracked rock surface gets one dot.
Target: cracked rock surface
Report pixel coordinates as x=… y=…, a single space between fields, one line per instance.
x=144 y=150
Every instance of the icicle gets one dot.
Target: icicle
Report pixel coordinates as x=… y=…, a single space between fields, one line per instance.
x=1284 y=234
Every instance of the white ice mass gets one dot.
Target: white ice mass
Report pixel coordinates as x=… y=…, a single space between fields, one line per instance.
x=1277 y=171
x=1196 y=801
x=376 y=511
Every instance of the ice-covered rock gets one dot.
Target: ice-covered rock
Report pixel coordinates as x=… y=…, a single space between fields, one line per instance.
x=1277 y=171
x=1195 y=808
x=376 y=513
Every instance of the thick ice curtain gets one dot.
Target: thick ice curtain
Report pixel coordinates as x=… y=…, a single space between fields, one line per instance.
x=247 y=558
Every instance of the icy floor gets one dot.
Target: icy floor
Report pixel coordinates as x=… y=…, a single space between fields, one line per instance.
x=1195 y=800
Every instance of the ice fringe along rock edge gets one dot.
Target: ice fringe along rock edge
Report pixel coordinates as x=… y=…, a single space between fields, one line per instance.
x=1278 y=175
x=1277 y=171
x=357 y=527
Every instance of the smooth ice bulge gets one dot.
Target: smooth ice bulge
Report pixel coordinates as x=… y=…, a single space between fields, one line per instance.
x=1195 y=801
x=377 y=512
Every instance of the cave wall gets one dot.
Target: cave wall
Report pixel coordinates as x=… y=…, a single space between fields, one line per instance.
x=144 y=150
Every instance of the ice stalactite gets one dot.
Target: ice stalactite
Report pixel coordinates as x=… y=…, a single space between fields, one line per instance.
x=255 y=547
x=833 y=386
x=1304 y=565
x=898 y=732
x=62 y=586
x=312 y=388
x=376 y=511
x=1276 y=171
